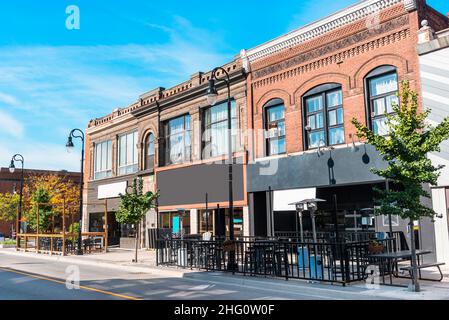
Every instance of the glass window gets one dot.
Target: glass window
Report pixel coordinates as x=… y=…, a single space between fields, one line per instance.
x=205 y=221
x=128 y=162
x=325 y=119
x=315 y=104
x=383 y=84
x=103 y=160
x=215 y=130
x=383 y=91
x=177 y=140
x=149 y=155
x=394 y=220
x=174 y=221
x=275 y=126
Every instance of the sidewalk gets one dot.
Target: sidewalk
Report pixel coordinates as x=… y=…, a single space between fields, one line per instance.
x=118 y=259
x=121 y=260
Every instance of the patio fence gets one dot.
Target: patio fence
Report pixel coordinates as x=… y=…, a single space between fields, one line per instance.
x=324 y=262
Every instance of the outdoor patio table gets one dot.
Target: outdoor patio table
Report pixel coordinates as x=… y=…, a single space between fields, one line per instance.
x=392 y=259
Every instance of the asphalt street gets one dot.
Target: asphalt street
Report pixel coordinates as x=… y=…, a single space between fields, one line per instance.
x=30 y=278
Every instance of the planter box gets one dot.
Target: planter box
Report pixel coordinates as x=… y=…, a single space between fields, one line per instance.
x=7 y=246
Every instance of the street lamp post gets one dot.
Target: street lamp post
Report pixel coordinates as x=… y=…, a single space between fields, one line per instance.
x=77 y=133
x=12 y=168
x=212 y=96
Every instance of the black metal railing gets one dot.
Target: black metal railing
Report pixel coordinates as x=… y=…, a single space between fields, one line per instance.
x=322 y=261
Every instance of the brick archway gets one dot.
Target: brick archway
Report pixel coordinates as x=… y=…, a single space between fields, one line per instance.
x=400 y=63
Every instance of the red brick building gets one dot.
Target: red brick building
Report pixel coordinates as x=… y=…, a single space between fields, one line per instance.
x=305 y=87
x=10 y=183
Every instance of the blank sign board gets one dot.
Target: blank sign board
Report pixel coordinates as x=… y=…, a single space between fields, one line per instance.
x=283 y=198
x=113 y=190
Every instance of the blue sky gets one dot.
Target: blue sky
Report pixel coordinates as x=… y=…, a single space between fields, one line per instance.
x=53 y=79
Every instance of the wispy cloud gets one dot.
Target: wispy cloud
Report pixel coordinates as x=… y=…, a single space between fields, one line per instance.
x=37 y=155
x=8 y=99
x=52 y=89
x=9 y=126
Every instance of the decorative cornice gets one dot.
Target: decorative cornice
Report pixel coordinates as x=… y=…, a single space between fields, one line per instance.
x=410 y=5
x=341 y=18
x=334 y=58
x=333 y=47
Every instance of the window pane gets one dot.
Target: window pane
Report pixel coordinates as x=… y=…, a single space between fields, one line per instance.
x=320 y=120
x=390 y=101
x=122 y=150
x=380 y=127
x=281 y=128
x=176 y=125
x=176 y=148
x=340 y=116
x=129 y=149
x=109 y=165
x=135 y=141
x=150 y=145
x=384 y=84
x=379 y=106
x=104 y=156
x=219 y=113
x=314 y=104
x=333 y=117
x=312 y=122
x=187 y=122
x=336 y=136
x=334 y=99
x=277 y=146
x=316 y=139
x=216 y=129
x=276 y=113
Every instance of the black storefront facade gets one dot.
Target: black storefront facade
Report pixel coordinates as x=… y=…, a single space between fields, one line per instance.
x=340 y=176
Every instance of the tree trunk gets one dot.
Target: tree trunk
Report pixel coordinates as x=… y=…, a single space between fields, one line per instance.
x=137 y=242
x=415 y=280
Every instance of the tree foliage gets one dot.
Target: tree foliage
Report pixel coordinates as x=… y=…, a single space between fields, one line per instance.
x=9 y=205
x=50 y=191
x=405 y=150
x=136 y=204
x=40 y=200
x=59 y=188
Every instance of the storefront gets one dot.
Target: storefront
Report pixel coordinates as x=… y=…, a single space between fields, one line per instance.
x=197 y=196
x=341 y=177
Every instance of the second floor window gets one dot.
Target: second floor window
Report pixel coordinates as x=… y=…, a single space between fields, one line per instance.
x=127 y=153
x=275 y=127
x=382 y=90
x=178 y=140
x=150 y=151
x=324 y=116
x=215 y=134
x=103 y=160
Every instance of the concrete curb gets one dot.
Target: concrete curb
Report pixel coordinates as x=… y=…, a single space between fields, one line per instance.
x=101 y=264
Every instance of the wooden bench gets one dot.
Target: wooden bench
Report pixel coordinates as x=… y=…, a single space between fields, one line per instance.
x=426 y=266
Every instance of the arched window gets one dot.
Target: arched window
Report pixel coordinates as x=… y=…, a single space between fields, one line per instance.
x=149 y=152
x=382 y=89
x=275 y=127
x=324 y=116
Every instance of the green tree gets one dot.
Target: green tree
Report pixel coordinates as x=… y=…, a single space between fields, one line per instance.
x=134 y=206
x=405 y=149
x=9 y=206
x=40 y=202
x=74 y=230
